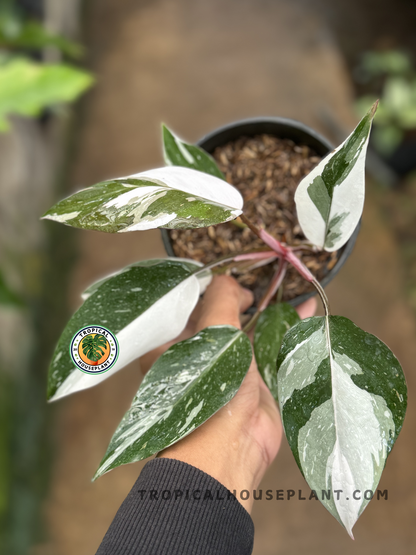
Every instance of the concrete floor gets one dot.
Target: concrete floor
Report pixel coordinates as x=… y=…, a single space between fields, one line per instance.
x=196 y=65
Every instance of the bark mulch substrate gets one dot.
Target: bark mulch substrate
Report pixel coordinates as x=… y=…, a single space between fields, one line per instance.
x=266 y=170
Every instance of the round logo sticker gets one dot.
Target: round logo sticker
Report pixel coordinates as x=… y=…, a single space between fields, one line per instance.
x=94 y=349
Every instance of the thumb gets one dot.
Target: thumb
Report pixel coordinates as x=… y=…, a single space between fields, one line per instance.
x=223 y=302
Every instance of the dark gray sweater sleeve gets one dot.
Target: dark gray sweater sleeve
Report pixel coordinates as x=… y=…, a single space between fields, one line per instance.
x=175 y=508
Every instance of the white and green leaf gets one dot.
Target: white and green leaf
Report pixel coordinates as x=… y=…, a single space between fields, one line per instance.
x=178 y=153
x=171 y=197
x=343 y=397
x=271 y=326
x=145 y=305
x=189 y=383
x=330 y=199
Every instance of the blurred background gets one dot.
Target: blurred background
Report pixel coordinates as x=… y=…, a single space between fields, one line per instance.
x=84 y=86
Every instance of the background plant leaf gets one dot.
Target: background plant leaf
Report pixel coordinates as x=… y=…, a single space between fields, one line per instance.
x=271 y=326
x=179 y=153
x=343 y=397
x=27 y=87
x=185 y=386
x=145 y=305
x=17 y=34
x=8 y=296
x=172 y=197
x=330 y=199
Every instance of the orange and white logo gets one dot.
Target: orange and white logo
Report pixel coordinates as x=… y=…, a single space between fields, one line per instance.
x=94 y=349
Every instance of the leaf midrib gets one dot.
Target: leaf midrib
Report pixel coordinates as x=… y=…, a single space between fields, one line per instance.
x=163 y=185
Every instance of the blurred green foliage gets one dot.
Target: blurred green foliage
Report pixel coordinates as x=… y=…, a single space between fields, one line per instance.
x=9 y=299
x=28 y=86
x=5 y=462
x=389 y=62
x=17 y=34
x=7 y=296
x=390 y=76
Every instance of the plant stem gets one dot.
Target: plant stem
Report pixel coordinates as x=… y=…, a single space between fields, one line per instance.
x=280 y=249
x=251 y=323
x=238 y=223
x=300 y=266
x=263 y=255
x=265 y=237
x=286 y=254
x=239 y=257
x=271 y=290
x=250 y=225
x=323 y=296
x=274 y=285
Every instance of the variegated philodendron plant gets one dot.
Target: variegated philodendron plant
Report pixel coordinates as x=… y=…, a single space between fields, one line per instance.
x=341 y=391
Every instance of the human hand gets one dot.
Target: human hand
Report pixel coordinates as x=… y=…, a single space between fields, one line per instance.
x=239 y=442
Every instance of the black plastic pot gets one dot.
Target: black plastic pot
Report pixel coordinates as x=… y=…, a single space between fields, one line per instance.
x=284 y=129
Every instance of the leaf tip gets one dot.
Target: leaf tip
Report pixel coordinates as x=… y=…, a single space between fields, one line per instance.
x=351 y=535
x=47 y=216
x=374 y=107
x=51 y=397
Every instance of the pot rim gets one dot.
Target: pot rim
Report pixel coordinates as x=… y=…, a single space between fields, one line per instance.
x=273 y=121
x=297 y=130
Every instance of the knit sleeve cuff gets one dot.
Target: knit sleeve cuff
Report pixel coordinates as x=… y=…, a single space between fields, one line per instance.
x=176 y=508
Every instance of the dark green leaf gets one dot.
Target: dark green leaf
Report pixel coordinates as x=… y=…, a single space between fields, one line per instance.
x=186 y=385
x=179 y=153
x=271 y=326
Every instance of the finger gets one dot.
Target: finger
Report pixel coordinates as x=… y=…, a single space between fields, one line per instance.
x=307 y=309
x=223 y=301
x=246 y=301
x=196 y=314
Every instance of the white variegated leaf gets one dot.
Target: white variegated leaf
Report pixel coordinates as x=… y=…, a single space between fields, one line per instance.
x=178 y=153
x=271 y=326
x=330 y=199
x=171 y=197
x=189 y=383
x=342 y=396
x=145 y=305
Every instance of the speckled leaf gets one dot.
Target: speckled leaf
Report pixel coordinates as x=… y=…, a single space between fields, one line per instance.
x=185 y=386
x=179 y=153
x=271 y=326
x=172 y=197
x=343 y=397
x=144 y=305
x=330 y=199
